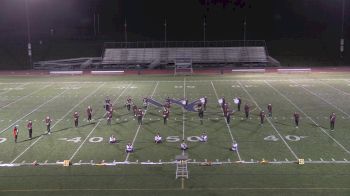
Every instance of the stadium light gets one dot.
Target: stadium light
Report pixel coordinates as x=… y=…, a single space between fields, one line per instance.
x=244 y=30
x=29 y=44
x=165 y=25
x=204 y=28
x=342 y=31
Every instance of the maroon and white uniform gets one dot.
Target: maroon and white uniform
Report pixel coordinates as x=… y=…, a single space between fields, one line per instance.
x=269 y=109
x=76 y=119
x=30 y=129
x=128 y=103
x=89 y=113
x=166 y=113
x=139 y=116
x=48 y=124
x=296 y=119
x=246 y=110
x=262 y=117
x=332 y=118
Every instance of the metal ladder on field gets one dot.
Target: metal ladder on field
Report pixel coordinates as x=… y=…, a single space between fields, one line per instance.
x=181 y=166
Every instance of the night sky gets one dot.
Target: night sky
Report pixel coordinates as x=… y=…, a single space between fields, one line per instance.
x=266 y=19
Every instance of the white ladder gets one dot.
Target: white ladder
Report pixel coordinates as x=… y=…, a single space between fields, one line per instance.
x=181 y=169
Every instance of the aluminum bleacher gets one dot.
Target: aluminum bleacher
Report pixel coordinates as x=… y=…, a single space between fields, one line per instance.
x=129 y=55
x=199 y=55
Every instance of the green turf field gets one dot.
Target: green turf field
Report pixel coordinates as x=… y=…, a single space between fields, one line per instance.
x=100 y=168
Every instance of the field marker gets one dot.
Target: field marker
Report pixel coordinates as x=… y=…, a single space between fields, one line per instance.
x=69 y=112
x=4 y=106
x=333 y=159
x=286 y=159
x=268 y=120
x=81 y=145
x=345 y=159
x=321 y=159
x=300 y=110
x=227 y=125
x=33 y=110
x=138 y=129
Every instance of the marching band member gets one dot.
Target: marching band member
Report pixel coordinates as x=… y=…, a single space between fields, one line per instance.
x=112 y=139
x=262 y=117
x=296 y=119
x=158 y=139
x=15 y=132
x=76 y=119
x=48 y=124
x=234 y=146
x=332 y=118
x=183 y=145
x=203 y=137
x=129 y=148
x=30 y=129
x=89 y=113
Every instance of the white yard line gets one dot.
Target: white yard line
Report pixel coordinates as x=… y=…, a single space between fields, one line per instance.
x=337 y=89
x=336 y=107
x=227 y=125
x=183 y=113
x=20 y=86
x=53 y=98
x=69 y=112
x=81 y=145
x=268 y=120
x=307 y=116
x=139 y=127
x=183 y=130
x=17 y=100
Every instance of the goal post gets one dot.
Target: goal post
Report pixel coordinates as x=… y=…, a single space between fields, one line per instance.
x=183 y=66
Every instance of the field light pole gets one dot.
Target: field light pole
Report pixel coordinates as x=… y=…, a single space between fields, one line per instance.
x=204 y=30
x=165 y=25
x=125 y=33
x=244 y=30
x=342 y=30
x=29 y=45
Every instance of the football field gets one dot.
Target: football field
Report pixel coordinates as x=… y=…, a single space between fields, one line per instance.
x=265 y=162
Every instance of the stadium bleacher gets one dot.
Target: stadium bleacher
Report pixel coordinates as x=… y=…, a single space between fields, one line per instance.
x=213 y=55
x=134 y=55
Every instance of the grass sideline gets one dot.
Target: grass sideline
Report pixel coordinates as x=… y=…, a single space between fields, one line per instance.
x=313 y=95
